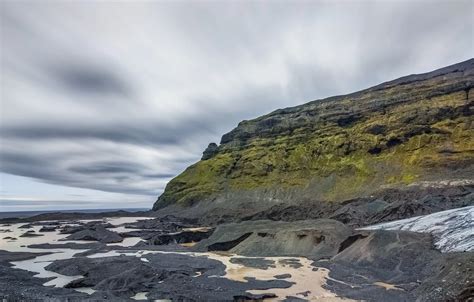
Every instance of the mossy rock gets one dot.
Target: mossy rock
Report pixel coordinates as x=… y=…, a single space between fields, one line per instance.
x=411 y=129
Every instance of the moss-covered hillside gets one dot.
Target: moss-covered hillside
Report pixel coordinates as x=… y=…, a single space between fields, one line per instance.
x=415 y=128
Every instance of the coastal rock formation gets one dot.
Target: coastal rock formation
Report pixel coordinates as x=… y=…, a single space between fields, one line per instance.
x=415 y=129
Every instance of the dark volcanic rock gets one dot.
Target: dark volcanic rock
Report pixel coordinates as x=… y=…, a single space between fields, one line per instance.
x=397 y=266
x=31 y=234
x=283 y=276
x=97 y=234
x=452 y=279
x=92 y=225
x=6 y=256
x=20 y=285
x=168 y=223
x=76 y=216
x=170 y=276
x=385 y=205
x=48 y=228
x=311 y=238
x=210 y=151
x=69 y=245
x=260 y=263
x=180 y=237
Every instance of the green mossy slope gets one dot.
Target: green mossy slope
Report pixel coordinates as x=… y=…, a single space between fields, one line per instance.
x=415 y=128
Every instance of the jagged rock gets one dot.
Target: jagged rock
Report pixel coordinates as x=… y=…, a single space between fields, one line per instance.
x=210 y=151
x=180 y=237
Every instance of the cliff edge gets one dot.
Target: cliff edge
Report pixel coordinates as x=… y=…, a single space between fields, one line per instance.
x=414 y=129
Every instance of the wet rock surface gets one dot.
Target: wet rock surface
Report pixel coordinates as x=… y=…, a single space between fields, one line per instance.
x=260 y=263
x=20 y=285
x=163 y=276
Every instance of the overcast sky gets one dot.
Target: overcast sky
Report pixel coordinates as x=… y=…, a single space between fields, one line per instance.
x=103 y=102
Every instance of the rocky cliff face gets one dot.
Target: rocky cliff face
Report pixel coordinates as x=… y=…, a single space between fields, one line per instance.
x=413 y=129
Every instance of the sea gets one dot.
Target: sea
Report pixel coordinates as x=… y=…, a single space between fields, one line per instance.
x=24 y=214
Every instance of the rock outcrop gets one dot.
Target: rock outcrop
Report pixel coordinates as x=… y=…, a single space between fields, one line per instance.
x=96 y=234
x=314 y=239
x=414 y=129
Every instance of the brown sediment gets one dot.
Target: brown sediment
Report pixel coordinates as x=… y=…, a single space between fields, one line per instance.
x=307 y=283
x=387 y=286
x=188 y=244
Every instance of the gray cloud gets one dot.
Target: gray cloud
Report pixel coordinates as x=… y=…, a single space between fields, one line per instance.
x=120 y=97
x=84 y=78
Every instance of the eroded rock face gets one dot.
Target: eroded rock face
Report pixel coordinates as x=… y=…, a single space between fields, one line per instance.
x=180 y=237
x=315 y=239
x=417 y=128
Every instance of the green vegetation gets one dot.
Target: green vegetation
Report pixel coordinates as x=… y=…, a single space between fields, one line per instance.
x=344 y=148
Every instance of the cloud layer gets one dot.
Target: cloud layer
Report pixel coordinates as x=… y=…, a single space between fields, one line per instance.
x=121 y=96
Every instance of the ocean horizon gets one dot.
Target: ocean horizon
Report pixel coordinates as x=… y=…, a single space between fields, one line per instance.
x=23 y=214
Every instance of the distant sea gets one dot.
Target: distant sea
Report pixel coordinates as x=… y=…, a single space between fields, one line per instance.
x=33 y=213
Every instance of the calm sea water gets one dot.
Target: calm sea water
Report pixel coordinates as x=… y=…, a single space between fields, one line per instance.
x=33 y=213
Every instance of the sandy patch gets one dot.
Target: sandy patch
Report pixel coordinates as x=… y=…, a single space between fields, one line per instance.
x=387 y=286
x=308 y=283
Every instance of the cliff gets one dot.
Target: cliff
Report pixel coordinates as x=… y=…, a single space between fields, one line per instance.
x=414 y=129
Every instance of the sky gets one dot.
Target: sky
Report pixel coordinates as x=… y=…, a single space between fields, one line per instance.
x=103 y=102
